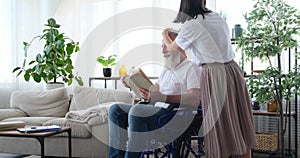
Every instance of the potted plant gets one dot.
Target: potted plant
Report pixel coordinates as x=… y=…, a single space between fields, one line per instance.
x=272 y=29
x=54 y=61
x=261 y=91
x=106 y=63
x=257 y=91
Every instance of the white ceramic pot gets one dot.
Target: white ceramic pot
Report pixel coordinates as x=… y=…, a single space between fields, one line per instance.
x=50 y=86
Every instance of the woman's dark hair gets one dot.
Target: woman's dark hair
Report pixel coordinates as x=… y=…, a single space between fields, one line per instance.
x=191 y=9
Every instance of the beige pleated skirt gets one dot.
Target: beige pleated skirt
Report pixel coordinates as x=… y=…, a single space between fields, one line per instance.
x=228 y=128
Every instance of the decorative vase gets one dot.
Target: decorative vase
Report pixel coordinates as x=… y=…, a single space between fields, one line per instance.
x=272 y=106
x=52 y=85
x=107 y=72
x=237 y=31
x=122 y=71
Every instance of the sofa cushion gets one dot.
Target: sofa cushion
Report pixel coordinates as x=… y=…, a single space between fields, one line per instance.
x=78 y=129
x=8 y=113
x=32 y=121
x=52 y=103
x=85 y=97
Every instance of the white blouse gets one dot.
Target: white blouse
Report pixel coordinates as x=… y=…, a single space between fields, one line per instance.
x=208 y=40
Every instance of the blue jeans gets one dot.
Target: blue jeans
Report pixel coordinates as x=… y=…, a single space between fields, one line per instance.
x=129 y=127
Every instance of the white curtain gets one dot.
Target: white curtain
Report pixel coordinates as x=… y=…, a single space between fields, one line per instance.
x=20 y=20
x=83 y=21
x=6 y=60
x=6 y=44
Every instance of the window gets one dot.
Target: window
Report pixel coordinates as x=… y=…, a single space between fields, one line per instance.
x=6 y=49
x=235 y=15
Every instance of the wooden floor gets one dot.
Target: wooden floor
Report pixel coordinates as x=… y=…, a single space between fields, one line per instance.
x=255 y=155
x=2 y=155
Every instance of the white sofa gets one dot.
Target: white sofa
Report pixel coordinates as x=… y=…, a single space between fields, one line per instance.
x=86 y=113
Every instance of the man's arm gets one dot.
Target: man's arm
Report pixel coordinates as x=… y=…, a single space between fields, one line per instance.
x=123 y=81
x=192 y=98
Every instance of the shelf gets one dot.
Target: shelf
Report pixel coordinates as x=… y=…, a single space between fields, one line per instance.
x=115 y=79
x=266 y=113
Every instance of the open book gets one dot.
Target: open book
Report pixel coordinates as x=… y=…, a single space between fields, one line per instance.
x=11 y=125
x=137 y=80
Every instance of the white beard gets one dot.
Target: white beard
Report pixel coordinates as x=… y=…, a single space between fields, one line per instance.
x=172 y=59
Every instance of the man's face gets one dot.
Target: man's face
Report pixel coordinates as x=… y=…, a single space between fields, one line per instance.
x=164 y=48
x=171 y=59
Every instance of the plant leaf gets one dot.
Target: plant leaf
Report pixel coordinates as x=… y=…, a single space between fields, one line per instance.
x=26 y=76
x=15 y=69
x=70 y=48
x=79 y=80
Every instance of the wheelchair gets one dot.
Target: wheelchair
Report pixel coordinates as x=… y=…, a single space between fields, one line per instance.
x=182 y=145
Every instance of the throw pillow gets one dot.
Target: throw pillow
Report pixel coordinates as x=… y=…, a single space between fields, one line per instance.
x=86 y=97
x=50 y=103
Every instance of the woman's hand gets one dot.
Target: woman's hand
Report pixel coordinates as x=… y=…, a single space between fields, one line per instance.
x=166 y=31
x=169 y=41
x=165 y=34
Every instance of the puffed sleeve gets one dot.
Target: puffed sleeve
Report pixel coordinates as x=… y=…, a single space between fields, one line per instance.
x=188 y=33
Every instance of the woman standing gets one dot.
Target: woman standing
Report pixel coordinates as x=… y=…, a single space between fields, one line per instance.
x=227 y=119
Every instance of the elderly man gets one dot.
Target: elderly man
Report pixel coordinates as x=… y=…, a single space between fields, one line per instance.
x=179 y=76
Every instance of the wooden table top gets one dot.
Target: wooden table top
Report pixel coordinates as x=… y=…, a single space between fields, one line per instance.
x=15 y=133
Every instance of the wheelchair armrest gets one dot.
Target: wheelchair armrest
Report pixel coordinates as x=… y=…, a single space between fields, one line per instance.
x=180 y=111
x=159 y=121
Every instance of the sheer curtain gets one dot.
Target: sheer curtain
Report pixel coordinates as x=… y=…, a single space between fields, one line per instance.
x=6 y=44
x=20 y=21
x=121 y=27
x=6 y=58
x=98 y=25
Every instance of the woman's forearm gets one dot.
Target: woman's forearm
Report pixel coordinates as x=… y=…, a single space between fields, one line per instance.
x=171 y=45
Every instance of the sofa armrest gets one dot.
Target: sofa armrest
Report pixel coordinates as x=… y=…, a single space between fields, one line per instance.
x=9 y=113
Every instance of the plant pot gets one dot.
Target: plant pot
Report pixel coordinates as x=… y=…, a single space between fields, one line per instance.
x=255 y=105
x=52 y=85
x=272 y=106
x=107 y=72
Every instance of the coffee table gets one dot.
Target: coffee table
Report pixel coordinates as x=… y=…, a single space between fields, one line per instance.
x=40 y=136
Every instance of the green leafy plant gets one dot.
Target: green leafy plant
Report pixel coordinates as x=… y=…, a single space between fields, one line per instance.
x=107 y=62
x=54 y=61
x=262 y=86
x=259 y=87
x=273 y=27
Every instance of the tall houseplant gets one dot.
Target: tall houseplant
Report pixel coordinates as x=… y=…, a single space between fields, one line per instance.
x=54 y=61
x=273 y=27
